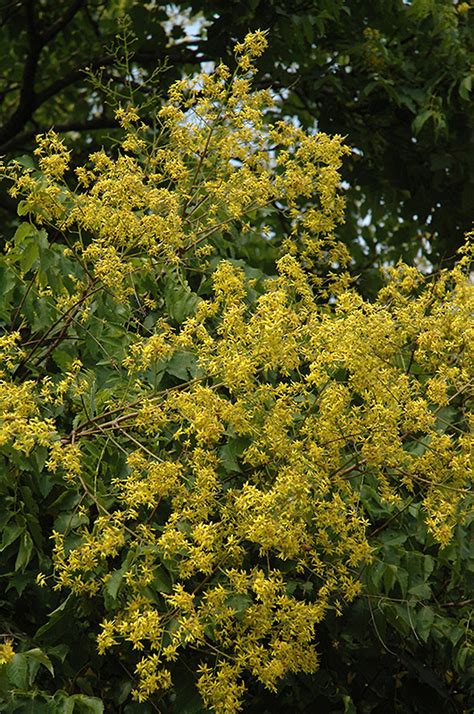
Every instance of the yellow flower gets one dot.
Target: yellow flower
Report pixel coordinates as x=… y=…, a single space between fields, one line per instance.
x=6 y=651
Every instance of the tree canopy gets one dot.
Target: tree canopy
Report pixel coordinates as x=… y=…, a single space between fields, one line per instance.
x=234 y=475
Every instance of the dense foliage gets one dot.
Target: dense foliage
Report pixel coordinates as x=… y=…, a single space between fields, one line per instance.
x=212 y=444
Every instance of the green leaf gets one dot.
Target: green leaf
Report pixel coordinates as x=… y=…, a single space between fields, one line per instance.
x=422 y=591
x=24 y=552
x=349 y=706
x=59 y=652
x=463 y=655
x=18 y=582
x=182 y=365
x=162 y=581
x=420 y=120
x=17 y=670
x=23 y=231
x=69 y=520
x=39 y=656
x=136 y=708
x=428 y=566
x=402 y=579
x=114 y=582
x=180 y=300
x=87 y=705
x=62 y=703
x=22 y=208
x=239 y=603
x=465 y=87
x=10 y=534
x=26 y=161
x=54 y=617
x=29 y=255
x=187 y=700
x=393 y=538
x=229 y=454
x=62 y=358
x=424 y=622
x=124 y=691
x=389 y=577
x=456 y=633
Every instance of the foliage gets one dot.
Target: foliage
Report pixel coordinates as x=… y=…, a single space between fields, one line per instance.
x=395 y=77
x=205 y=461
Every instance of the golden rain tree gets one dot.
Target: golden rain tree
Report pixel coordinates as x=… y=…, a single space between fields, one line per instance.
x=218 y=424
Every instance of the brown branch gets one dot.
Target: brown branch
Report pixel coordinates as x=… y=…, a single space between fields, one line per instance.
x=457 y=603
x=29 y=99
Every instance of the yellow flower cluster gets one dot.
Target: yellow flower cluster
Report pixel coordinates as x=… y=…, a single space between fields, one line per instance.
x=55 y=393
x=324 y=395
x=10 y=353
x=253 y=46
x=66 y=457
x=237 y=517
x=162 y=201
x=21 y=425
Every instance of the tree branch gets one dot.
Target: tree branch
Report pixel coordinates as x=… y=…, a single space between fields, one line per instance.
x=27 y=101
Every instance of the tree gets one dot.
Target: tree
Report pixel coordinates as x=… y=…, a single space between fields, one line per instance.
x=224 y=456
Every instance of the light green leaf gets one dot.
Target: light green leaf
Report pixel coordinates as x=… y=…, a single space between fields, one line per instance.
x=29 y=255
x=23 y=230
x=349 y=706
x=26 y=161
x=22 y=208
